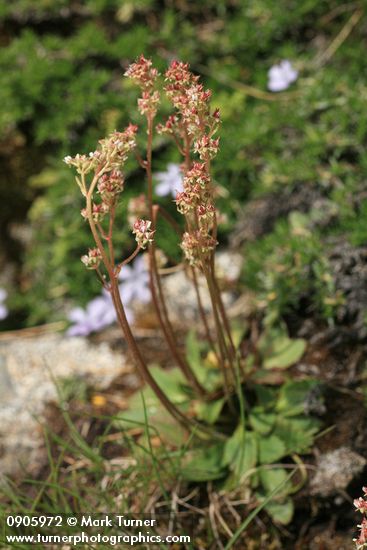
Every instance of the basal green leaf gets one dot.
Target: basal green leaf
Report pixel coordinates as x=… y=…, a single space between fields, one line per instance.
x=209 y=412
x=281 y=512
x=266 y=396
x=261 y=422
x=292 y=396
x=204 y=373
x=288 y=354
x=172 y=382
x=271 y=448
x=297 y=433
x=240 y=452
x=232 y=445
x=277 y=349
x=159 y=421
x=203 y=464
x=238 y=332
x=246 y=459
x=271 y=478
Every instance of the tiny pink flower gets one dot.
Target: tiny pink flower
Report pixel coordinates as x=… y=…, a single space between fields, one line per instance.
x=143 y=232
x=178 y=72
x=361 y=505
x=92 y=259
x=206 y=211
x=98 y=212
x=169 y=126
x=184 y=202
x=206 y=147
x=361 y=541
x=148 y=103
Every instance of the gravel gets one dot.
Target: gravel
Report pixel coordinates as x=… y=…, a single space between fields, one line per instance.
x=335 y=470
x=29 y=368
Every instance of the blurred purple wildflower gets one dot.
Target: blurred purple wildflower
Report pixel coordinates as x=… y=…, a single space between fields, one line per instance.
x=281 y=76
x=100 y=312
x=3 y=308
x=170 y=181
x=135 y=282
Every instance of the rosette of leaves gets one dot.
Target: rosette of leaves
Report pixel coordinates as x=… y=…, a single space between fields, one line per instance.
x=261 y=439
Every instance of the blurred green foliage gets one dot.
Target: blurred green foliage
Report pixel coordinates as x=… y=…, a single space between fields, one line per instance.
x=62 y=89
x=288 y=269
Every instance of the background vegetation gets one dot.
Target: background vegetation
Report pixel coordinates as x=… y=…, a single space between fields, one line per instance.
x=62 y=89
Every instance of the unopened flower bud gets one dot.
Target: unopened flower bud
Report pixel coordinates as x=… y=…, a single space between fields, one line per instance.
x=216 y=115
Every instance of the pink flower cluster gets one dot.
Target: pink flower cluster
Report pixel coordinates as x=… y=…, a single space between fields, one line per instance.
x=106 y=162
x=193 y=112
x=361 y=505
x=145 y=76
x=110 y=185
x=195 y=125
x=114 y=149
x=196 y=196
x=112 y=153
x=197 y=246
x=142 y=73
x=195 y=202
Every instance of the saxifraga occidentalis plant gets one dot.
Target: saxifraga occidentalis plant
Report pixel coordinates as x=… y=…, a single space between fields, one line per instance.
x=192 y=126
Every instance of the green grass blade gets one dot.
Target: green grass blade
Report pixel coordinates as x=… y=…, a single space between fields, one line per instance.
x=254 y=513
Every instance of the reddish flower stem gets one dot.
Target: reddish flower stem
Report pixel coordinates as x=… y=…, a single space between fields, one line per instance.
x=225 y=356
x=155 y=281
x=125 y=327
x=128 y=260
x=203 y=314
